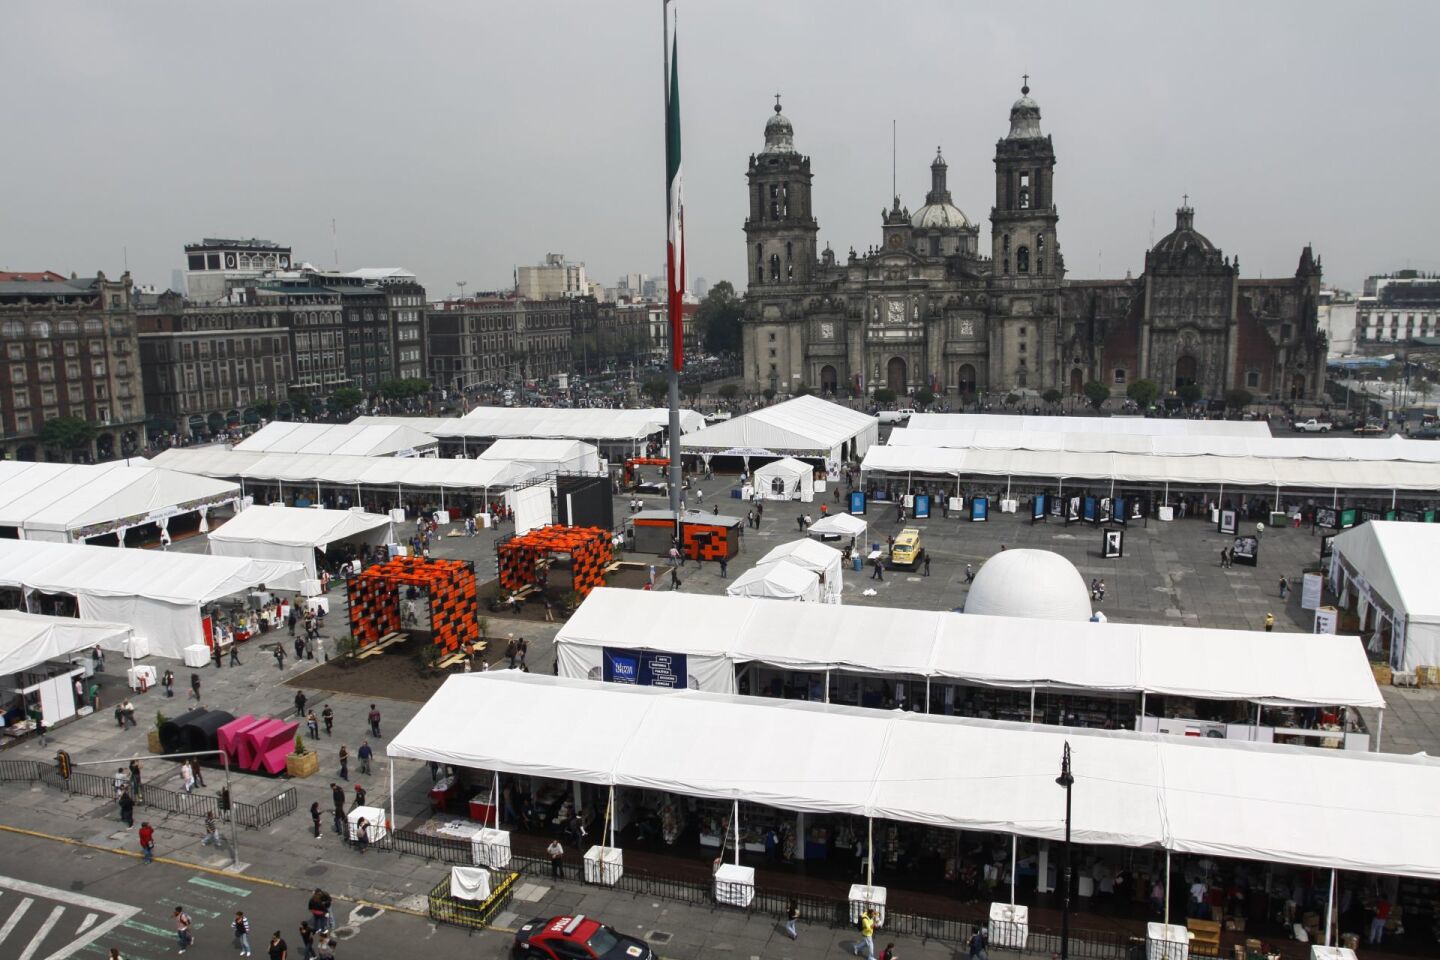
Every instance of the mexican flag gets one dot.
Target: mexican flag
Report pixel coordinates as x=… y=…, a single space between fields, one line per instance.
x=675 y=211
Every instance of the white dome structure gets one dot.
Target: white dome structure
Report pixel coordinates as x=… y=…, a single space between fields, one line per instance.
x=1038 y=584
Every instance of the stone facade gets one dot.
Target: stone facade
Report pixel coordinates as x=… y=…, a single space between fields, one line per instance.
x=924 y=309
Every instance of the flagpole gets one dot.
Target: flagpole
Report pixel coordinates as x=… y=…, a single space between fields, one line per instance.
x=671 y=300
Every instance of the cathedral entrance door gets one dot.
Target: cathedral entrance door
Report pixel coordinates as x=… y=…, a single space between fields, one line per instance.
x=1297 y=386
x=828 y=379
x=1077 y=383
x=966 y=378
x=895 y=376
x=1186 y=371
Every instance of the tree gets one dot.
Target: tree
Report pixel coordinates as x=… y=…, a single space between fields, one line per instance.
x=266 y=409
x=656 y=388
x=1190 y=393
x=1239 y=398
x=718 y=318
x=1052 y=396
x=404 y=389
x=768 y=393
x=67 y=433
x=346 y=398
x=923 y=398
x=1097 y=393
x=1143 y=392
x=803 y=390
x=729 y=391
x=884 y=395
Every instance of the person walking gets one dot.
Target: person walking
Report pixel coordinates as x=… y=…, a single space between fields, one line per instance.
x=319 y=907
x=242 y=933
x=362 y=834
x=212 y=831
x=1284 y=587
x=195 y=686
x=724 y=568
x=337 y=798
x=969 y=573
x=127 y=808
x=1269 y=622
x=307 y=940
x=328 y=716
x=315 y=818
x=195 y=772
x=792 y=917
x=183 y=923
x=136 y=787
x=279 y=654
x=168 y=682
x=359 y=797
x=865 y=946
x=1379 y=921
x=312 y=724
x=674 y=579
x=147 y=841
x=299 y=703
x=187 y=776
x=557 y=859
x=117 y=783
x=279 y=949
x=926 y=566
x=375 y=711
x=344 y=762
x=878 y=573
x=235 y=655
x=979 y=940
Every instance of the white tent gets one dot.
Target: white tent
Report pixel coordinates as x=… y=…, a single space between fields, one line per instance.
x=28 y=639
x=1284 y=668
x=1354 y=811
x=63 y=503
x=1391 y=561
x=157 y=593
x=806 y=426
x=1011 y=423
x=812 y=555
x=347 y=439
x=842 y=524
x=294 y=534
x=779 y=580
x=562 y=423
x=547 y=456
x=786 y=479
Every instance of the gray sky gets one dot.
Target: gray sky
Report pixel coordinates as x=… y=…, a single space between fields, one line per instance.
x=461 y=139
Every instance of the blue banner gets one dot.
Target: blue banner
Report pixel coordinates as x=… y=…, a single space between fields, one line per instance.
x=644 y=668
x=857 y=502
x=979 y=509
x=922 y=506
x=1037 y=507
x=1089 y=510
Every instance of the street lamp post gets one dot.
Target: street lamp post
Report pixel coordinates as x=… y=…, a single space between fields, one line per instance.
x=1066 y=780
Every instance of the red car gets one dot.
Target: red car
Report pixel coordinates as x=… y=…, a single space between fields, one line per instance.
x=576 y=938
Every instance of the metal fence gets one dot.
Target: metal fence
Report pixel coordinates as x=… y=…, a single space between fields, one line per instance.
x=444 y=908
x=256 y=815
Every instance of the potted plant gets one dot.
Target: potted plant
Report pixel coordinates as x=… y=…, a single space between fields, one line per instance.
x=152 y=736
x=303 y=762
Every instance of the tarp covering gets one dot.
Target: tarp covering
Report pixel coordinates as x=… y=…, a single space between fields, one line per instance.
x=1396 y=560
x=806 y=425
x=786 y=479
x=1286 y=472
x=415 y=472
x=812 y=555
x=295 y=533
x=344 y=439
x=1355 y=811
x=28 y=639
x=65 y=502
x=1290 y=668
x=777 y=580
x=547 y=456
x=846 y=525
x=1129 y=426
x=157 y=593
x=579 y=423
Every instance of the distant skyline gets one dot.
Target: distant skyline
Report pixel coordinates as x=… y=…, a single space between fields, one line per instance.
x=462 y=140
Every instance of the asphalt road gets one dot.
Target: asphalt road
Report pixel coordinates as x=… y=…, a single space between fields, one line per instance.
x=59 y=900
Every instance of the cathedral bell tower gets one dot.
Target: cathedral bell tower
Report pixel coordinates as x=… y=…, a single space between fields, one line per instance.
x=781 y=230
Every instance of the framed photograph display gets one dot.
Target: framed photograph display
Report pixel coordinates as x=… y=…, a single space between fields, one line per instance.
x=1246 y=551
x=979 y=509
x=1229 y=522
x=857 y=503
x=1327 y=518
x=922 y=506
x=1120 y=510
x=1327 y=545
x=1349 y=517
x=1112 y=545
x=1037 y=507
x=1090 y=509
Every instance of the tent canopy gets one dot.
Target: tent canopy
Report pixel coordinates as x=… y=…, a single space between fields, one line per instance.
x=808 y=426
x=547 y=456
x=844 y=524
x=812 y=555
x=64 y=502
x=348 y=439
x=794 y=479
x=294 y=534
x=1290 y=668
x=777 y=580
x=417 y=472
x=1010 y=423
x=579 y=423
x=1393 y=559
x=1360 y=811
x=28 y=639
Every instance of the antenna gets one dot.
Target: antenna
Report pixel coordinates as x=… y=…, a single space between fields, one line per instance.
x=894 y=188
x=334 y=242
x=125 y=258
x=1152 y=227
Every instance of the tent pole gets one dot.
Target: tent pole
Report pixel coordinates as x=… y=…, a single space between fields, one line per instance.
x=495 y=794
x=317 y=491
x=282 y=490
x=927 y=695
x=1334 y=498
x=390 y=826
x=1379 y=727
x=1141 y=724
x=1007 y=486
x=1014 y=859
x=869 y=854
x=610 y=818
x=827 y=686
x=1277 y=498
x=1330 y=908
x=736 y=818
x=1166 y=921
x=1032 y=703
x=1257 y=721
x=1393 y=495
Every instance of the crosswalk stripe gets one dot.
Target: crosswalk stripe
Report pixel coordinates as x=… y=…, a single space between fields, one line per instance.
x=42 y=933
x=217 y=885
x=87 y=923
x=149 y=928
x=15 y=918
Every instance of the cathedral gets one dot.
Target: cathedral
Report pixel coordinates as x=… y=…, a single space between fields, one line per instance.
x=926 y=309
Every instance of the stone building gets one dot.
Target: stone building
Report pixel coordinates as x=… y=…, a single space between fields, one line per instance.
x=924 y=308
x=1394 y=308
x=498 y=338
x=70 y=351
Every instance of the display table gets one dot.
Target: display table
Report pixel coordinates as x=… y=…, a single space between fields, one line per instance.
x=734 y=885
x=1008 y=506
x=604 y=865
x=1166 y=942
x=310 y=587
x=196 y=655
x=864 y=898
x=442 y=792
x=482 y=808
x=318 y=604
x=135 y=675
x=1009 y=926
x=491 y=848
x=136 y=647
x=375 y=820
x=1167 y=514
x=1318 y=952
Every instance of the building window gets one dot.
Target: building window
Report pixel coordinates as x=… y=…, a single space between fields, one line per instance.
x=1022 y=260
x=1024 y=191
x=17 y=374
x=15 y=351
x=1119 y=376
x=772 y=336
x=1252 y=378
x=99 y=368
x=1040 y=254
x=11 y=329
x=1284 y=333
x=775 y=268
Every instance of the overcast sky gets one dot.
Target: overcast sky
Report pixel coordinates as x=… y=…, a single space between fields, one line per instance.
x=460 y=139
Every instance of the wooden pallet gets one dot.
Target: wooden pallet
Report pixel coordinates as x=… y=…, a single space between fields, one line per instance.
x=1204 y=937
x=379 y=646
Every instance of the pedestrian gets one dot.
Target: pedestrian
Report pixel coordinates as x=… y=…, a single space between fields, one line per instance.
x=312 y=724
x=195 y=771
x=299 y=703
x=1269 y=622
x=182 y=929
x=926 y=566
x=147 y=841
x=337 y=797
x=292 y=619
x=127 y=808
x=375 y=711
x=307 y=940
x=325 y=948
x=40 y=731
x=724 y=568
x=359 y=797
x=328 y=716
x=279 y=949
x=195 y=686
x=362 y=834
x=187 y=776
x=1101 y=597
x=234 y=654
x=300 y=648
x=242 y=933
x=969 y=573
x=1284 y=587
x=800 y=523
x=674 y=579
x=98 y=656
x=889 y=953
x=557 y=858
x=319 y=907
x=212 y=830
x=217 y=652
x=365 y=754
x=878 y=573
x=118 y=782
x=865 y=946
x=792 y=917
x=279 y=653
x=1379 y=921
x=168 y=682
x=344 y=762
x=979 y=940
x=135 y=781
x=315 y=818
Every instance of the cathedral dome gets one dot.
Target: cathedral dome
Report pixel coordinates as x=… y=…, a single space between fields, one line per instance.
x=1025 y=117
x=779 y=134
x=1039 y=584
x=939 y=212
x=1184 y=237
